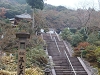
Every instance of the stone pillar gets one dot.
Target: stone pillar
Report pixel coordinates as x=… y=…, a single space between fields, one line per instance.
x=22 y=52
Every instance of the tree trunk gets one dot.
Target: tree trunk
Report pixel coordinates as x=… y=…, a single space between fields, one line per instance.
x=33 y=20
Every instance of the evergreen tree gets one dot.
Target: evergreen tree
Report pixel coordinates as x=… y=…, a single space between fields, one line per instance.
x=38 y=4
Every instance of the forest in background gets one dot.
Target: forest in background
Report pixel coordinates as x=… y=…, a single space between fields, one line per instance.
x=85 y=24
x=57 y=17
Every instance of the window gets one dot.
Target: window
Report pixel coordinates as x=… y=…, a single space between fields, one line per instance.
x=22 y=45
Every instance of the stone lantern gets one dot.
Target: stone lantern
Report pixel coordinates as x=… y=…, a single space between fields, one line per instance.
x=22 y=52
x=47 y=70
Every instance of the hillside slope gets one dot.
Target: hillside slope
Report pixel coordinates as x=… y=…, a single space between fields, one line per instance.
x=57 y=17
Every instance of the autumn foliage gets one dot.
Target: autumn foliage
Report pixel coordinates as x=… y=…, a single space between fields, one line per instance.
x=2 y=12
x=82 y=45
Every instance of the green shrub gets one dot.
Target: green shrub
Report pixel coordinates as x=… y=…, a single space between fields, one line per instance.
x=2 y=72
x=33 y=71
x=28 y=71
x=97 y=43
x=84 y=52
x=98 y=60
x=66 y=34
x=36 y=56
x=92 y=38
x=73 y=30
x=76 y=39
x=90 y=56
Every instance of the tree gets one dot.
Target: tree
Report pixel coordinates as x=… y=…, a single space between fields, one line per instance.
x=3 y=12
x=97 y=53
x=66 y=34
x=61 y=8
x=82 y=31
x=21 y=1
x=84 y=17
x=38 y=4
x=76 y=39
x=92 y=38
x=90 y=55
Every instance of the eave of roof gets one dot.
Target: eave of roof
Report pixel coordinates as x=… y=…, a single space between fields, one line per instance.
x=24 y=16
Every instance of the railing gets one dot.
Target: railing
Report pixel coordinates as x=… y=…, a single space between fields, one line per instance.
x=52 y=38
x=70 y=63
x=84 y=65
x=94 y=71
x=57 y=45
x=70 y=51
x=58 y=36
x=66 y=56
x=50 y=35
x=51 y=63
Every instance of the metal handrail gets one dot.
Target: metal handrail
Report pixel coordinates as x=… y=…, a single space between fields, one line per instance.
x=70 y=63
x=58 y=36
x=50 y=35
x=57 y=45
x=66 y=56
x=70 y=52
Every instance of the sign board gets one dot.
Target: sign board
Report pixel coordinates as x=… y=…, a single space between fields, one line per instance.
x=21 y=62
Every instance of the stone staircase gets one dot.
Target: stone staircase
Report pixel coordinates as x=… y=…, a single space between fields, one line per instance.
x=64 y=64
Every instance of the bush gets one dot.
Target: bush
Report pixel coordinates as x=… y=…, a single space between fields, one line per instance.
x=66 y=34
x=92 y=38
x=91 y=47
x=83 y=32
x=98 y=60
x=83 y=45
x=2 y=72
x=29 y=71
x=77 y=50
x=90 y=55
x=73 y=30
x=77 y=53
x=36 y=56
x=8 y=63
x=76 y=39
x=97 y=43
x=33 y=71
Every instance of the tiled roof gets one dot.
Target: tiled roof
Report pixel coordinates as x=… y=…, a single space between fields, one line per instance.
x=12 y=19
x=25 y=15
